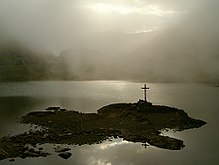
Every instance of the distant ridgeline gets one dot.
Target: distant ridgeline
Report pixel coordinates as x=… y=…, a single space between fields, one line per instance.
x=20 y=64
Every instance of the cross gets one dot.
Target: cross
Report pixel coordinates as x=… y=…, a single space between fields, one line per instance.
x=145 y=92
x=145 y=145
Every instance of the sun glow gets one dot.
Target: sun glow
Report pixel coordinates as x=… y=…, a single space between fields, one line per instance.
x=151 y=9
x=146 y=30
x=106 y=8
x=106 y=145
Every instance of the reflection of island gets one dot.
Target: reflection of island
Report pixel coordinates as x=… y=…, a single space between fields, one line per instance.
x=137 y=122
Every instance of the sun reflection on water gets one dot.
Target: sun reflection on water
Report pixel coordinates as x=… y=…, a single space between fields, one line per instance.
x=109 y=144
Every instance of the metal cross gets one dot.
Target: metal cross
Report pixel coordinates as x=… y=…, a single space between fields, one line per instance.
x=145 y=92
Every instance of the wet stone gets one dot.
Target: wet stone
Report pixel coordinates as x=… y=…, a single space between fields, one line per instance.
x=65 y=155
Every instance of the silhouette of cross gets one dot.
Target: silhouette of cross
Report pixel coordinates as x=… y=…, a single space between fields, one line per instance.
x=145 y=92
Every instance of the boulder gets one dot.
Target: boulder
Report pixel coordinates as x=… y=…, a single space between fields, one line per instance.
x=54 y=109
x=65 y=155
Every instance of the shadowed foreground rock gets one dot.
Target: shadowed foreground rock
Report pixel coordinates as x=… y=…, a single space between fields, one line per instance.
x=137 y=122
x=65 y=155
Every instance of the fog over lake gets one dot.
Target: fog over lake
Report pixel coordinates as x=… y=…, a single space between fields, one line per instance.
x=154 y=41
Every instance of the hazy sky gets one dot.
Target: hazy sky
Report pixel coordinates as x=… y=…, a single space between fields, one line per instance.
x=59 y=24
x=161 y=39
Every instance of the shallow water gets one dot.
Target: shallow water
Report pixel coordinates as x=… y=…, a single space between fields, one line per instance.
x=200 y=101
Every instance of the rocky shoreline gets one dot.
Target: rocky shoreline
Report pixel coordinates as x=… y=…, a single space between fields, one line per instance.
x=135 y=122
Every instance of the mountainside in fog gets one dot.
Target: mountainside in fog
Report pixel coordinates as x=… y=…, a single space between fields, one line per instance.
x=186 y=52
x=81 y=63
x=90 y=64
x=141 y=40
x=178 y=54
x=21 y=64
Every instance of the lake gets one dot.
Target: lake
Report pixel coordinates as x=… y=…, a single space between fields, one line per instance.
x=198 y=100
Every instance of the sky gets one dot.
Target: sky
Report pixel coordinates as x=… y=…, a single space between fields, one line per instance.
x=149 y=30
x=59 y=24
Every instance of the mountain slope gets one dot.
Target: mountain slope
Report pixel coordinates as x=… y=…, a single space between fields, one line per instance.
x=21 y=64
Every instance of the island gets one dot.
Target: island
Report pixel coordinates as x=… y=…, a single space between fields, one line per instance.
x=135 y=122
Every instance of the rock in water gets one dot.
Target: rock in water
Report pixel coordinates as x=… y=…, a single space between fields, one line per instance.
x=65 y=155
x=11 y=160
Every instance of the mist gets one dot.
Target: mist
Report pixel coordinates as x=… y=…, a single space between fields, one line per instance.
x=175 y=41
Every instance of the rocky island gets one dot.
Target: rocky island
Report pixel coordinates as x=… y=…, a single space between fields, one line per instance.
x=135 y=122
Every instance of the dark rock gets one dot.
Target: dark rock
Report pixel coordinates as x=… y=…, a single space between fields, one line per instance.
x=53 y=108
x=17 y=145
x=3 y=154
x=143 y=106
x=65 y=155
x=63 y=110
x=33 y=153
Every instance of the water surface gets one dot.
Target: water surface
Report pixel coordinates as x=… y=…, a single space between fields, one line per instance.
x=200 y=101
